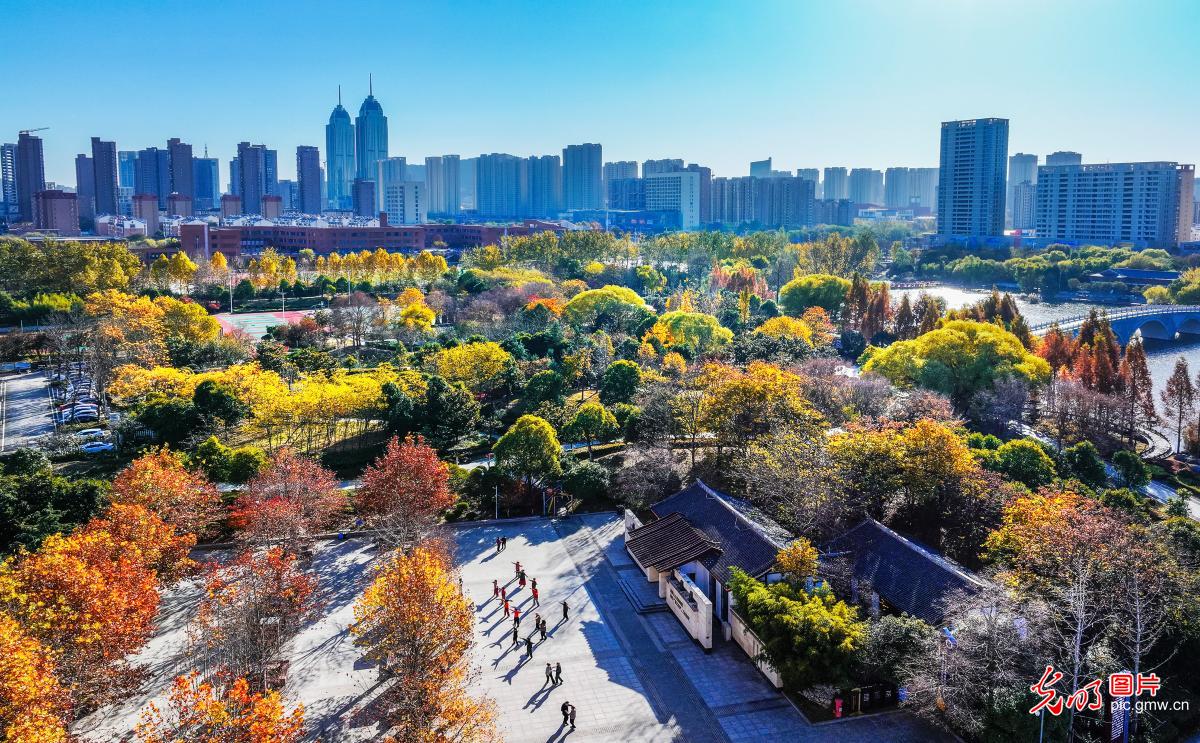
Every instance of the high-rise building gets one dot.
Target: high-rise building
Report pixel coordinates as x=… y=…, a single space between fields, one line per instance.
x=1022 y=168
x=363 y=192
x=971 y=194
x=30 y=173
x=1022 y=200
x=498 y=185
x=308 y=177
x=812 y=175
x=404 y=202
x=468 y=171
x=544 y=187
x=180 y=205
x=145 y=208
x=207 y=172
x=85 y=186
x=1146 y=204
x=442 y=184
x=8 y=179
x=270 y=172
x=183 y=181
x=866 y=186
x=772 y=201
x=251 y=176
x=582 y=176
x=153 y=175
x=760 y=168
x=56 y=211
x=339 y=154
x=626 y=194
x=370 y=136
x=679 y=191
x=1064 y=157
x=705 y=214
x=388 y=171
x=925 y=186
x=287 y=191
x=104 y=177
x=836 y=184
x=620 y=169
x=127 y=169
x=906 y=188
x=652 y=167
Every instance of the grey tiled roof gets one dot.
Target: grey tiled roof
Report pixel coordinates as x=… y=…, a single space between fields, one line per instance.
x=748 y=540
x=668 y=543
x=908 y=576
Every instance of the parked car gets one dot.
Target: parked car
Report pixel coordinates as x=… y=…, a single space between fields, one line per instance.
x=92 y=433
x=81 y=416
x=96 y=447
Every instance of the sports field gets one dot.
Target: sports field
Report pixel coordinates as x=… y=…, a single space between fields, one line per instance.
x=255 y=324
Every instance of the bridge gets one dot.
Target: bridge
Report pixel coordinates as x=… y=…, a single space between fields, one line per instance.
x=1157 y=321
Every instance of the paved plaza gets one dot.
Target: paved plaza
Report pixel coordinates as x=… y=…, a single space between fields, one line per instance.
x=632 y=677
x=256 y=324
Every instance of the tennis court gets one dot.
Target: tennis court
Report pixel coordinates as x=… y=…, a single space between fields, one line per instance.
x=256 y=324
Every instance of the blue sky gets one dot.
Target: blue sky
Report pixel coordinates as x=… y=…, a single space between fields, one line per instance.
x=860 y=83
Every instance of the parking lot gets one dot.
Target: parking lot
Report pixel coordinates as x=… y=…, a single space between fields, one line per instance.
x=26 y=406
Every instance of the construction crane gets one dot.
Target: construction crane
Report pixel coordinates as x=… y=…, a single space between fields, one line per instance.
x=31 y=131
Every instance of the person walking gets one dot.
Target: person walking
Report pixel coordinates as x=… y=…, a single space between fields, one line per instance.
x=506 y=607
x=460 y=590
x=517 y=568
x=542 y=629
x=503 y=543
x=549 y=674
x=516 y=636
x=495 y=588
x=535 y=598
x=497 y=544
x=521 y=578
x=537 y=621
x=533 y=583
x=516 y=616
x=566 y=710
x=504 y=592
x=528 y=648
x=572 y=717
x=566 y=611
x=558 y=673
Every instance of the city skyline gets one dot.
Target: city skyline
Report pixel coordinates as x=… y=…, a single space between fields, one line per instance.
x=1038 y=86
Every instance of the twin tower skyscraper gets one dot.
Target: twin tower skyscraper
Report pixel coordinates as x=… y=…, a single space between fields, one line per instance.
x=352 y=150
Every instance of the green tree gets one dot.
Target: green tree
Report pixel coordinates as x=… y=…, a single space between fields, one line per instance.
x=450 y=412
x=1025 y=461
x=1132 y=472
x=218 y=402
x=814 y=290
x=587 y=480
x=1082 y=461
x=592 y=422
x=694 y=334
x=620 y=382
x=892 y=643
x=529 y=449
x=545 y=386
x=807 y=637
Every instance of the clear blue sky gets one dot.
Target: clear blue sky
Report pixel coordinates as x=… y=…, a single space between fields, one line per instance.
x=853 y=82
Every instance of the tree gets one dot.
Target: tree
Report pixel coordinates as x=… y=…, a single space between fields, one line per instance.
x=252 y=605
x=33 y=704
x=288 y=502
x=529 y=449
x=620 y=382
x=413 y=620
x=139 y=532
x=893 y=644
x=786 y=327
x=199 y=712
x=814 y=290
x=91 y=602
x=591 y=423
x=450 y=412
x=218 y=402
x=1179 y=399
x=1025 y=461
x=612 y=307
x=1132 y=472
x=403 y=491
x=586 y=480
x=694 y=334
x=959 y=359
x=806 y=636
x=159 y=481
x=1082 y=461
x=798 y=560
x=479 y=366
x=545 y=386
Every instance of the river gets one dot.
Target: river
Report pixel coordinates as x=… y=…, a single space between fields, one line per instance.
x=1160 y=355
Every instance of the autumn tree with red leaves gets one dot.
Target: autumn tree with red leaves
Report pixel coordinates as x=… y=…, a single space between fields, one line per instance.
x=138 y=531
x=403 y=491
x=199 y=712
x=288 y=502
x=33 y=705
x=161 y=483
x=91 y=602
x=252 y=605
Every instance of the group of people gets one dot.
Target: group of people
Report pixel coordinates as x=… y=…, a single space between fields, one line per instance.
x=500 y=593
